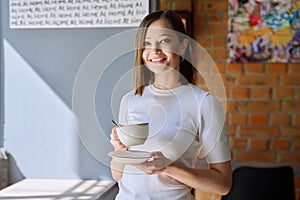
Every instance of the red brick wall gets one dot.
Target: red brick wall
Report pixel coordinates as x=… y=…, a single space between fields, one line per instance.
x=263 y=100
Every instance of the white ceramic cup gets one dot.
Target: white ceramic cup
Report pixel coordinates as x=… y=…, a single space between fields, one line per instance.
x=133 y=134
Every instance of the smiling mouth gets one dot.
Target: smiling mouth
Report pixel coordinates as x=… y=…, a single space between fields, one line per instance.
x=157 y=60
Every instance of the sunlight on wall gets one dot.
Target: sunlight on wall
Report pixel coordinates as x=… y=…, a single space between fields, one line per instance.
x=39 y=127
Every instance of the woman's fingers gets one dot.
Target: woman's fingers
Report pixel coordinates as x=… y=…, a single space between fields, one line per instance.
x=156 y=154
x=115 y=141
x=155 y=165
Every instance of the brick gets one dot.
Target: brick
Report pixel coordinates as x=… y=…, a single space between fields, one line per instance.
x=221 y=94
x=198 y=5
x=257 y=80
x=228 y=79
x=218 y=54
x=220 y=66
x=219 y=41
x=165 y=5
x=291 y=132
x=237 y=143
x=200 y=53
x=199 y=29
x=259 y=106
x=265 y=131
x=291 y=157
x=201 y=67
x=255 y=156
x=181 y=5
x=278 y=119
x=237 y=119
x=254 y=68
x=230 y=130
x=277 y=68
x=219 y=30
x=235 y=68
x=261 y=144
x=240 y=93
x=296 y=145
x=231 y=106
x=290 y=79
x=296 y=119
x=200 y=19
x=223 y=104
x=260 y=93
x=282 y=92
x=213 y=79
x=215 y=6
x=205 y=42
x=258 y=119
x=216 y=17
x=294 y=68
x=291 y=105
x=280 y=144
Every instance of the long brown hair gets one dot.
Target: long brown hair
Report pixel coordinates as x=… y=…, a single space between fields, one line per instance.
x=142 y=75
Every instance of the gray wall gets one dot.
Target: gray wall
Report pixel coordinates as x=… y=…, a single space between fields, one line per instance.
x=1 y=83
x=40 y=133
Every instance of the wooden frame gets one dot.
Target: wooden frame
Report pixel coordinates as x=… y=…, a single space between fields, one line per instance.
x=187 y=19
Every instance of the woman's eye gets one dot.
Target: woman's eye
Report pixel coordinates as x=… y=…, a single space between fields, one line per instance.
x=165 y=41
x=147 y=44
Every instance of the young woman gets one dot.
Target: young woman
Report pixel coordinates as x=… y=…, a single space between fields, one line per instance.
x=185 y=122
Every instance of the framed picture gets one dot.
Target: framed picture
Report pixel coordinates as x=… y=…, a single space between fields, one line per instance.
x=264 y=31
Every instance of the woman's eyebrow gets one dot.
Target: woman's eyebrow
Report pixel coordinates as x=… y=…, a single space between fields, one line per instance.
x=162 y=35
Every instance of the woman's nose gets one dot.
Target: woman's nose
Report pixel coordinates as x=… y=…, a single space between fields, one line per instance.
x=156 y=47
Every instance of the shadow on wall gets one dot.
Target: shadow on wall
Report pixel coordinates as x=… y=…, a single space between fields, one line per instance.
x=14 y=173
x=3 y=168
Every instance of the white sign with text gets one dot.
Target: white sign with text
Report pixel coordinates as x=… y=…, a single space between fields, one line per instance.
x=29 y=14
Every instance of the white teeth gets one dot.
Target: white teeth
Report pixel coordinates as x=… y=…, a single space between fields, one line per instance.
x=156 y=59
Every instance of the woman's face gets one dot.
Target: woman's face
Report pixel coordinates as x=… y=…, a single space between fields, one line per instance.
x=162 y=47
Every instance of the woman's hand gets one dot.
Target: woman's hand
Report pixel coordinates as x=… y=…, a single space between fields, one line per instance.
x=115 y=141
x=156 y=165
x=116 y=168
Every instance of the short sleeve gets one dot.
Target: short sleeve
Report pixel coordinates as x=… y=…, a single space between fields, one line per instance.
x=212 y=131
x=123 y=111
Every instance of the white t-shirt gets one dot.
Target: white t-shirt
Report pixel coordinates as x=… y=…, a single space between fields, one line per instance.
x=184 y=123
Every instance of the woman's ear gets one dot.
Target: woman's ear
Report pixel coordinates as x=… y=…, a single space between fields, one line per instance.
x=184 y=45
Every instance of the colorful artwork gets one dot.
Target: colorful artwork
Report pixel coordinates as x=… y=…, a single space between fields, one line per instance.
x=264 y=31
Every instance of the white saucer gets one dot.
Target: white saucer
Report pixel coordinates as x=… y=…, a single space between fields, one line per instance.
x=130 y=156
